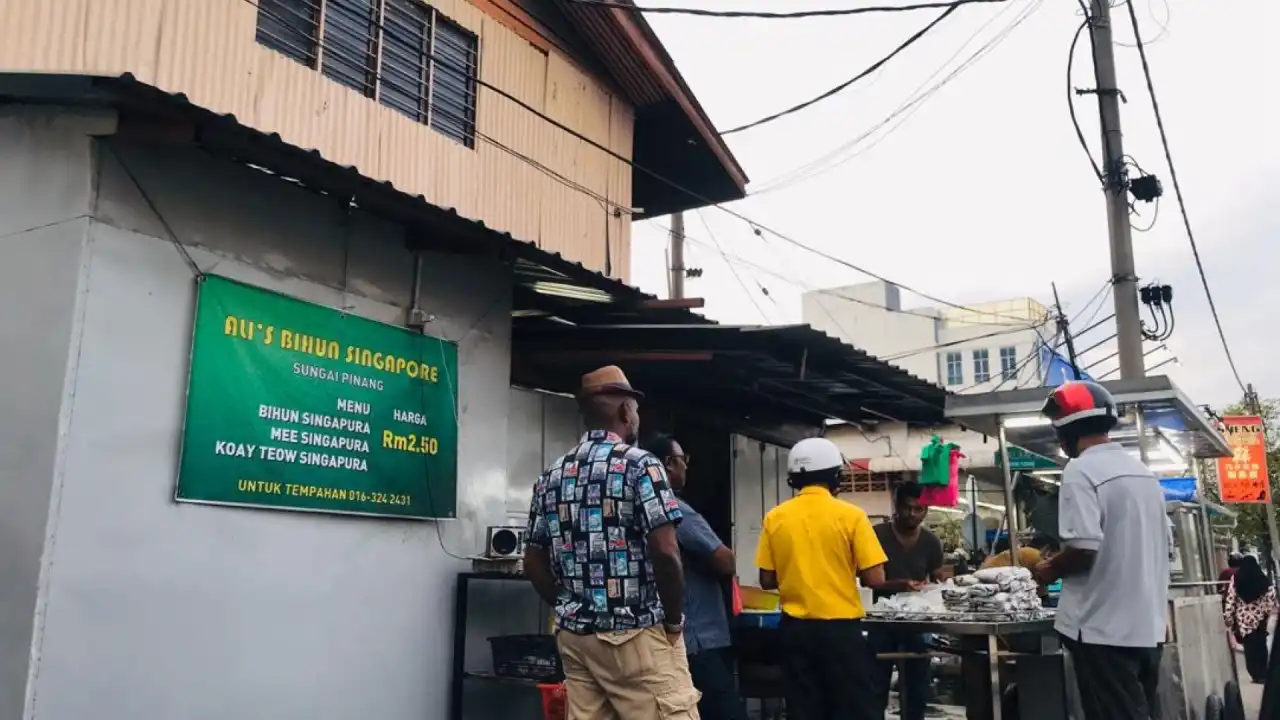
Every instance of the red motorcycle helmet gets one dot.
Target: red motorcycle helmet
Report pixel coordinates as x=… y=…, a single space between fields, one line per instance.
x=1077 y=400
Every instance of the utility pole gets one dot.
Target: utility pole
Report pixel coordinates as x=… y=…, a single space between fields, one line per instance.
x=1124 y=277
x=1063 y=327
x=677 y=256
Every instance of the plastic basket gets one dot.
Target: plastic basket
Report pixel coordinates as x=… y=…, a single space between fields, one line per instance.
x=532 y=657
x=554 y=702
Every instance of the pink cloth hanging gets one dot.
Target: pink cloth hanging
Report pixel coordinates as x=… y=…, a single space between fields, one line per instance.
x=944 y=495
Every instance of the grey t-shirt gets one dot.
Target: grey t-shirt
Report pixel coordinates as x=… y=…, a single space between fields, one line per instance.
x=1112 y=504
x=917 y=562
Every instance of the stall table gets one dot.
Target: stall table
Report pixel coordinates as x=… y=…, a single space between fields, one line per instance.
x=992 y=631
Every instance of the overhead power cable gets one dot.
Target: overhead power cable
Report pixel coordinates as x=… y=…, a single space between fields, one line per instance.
x=1071 y=103
x=953 y=343
x=1177 y=191
x=758 y=227
x=732 y=269
x=844 y=153
x=842 y=86
x=775 y=14
x=1013 y=319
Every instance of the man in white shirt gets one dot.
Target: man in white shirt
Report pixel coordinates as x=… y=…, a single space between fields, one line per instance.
x=1115 y=560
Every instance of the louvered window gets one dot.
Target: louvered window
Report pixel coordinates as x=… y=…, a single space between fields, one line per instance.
x=405 y=81
x=290 y=27
x=453 y=82
x=350 y=53
x=401 y=52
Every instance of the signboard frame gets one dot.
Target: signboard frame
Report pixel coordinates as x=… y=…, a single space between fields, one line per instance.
x=1247 y=438
x=368 y=426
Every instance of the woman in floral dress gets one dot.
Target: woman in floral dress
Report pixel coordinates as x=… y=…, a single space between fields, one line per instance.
x=1250 y=602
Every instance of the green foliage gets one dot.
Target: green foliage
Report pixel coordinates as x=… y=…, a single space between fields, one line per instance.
x=1251 y=526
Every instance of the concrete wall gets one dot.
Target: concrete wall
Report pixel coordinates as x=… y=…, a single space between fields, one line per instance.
x=965 y=339
x=870 y=316
x=759 y=484
x=857 y=315
x=42 y=237
x=540 y=428
x=147 y=608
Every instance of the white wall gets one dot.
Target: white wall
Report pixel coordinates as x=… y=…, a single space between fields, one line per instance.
x=965 y=339
x=759 y=484
x=540 y=428
x=147 y=608
x=867 y=327
x=42 y=237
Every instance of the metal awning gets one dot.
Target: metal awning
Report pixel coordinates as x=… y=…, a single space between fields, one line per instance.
x=792 y=372
x=1170 y=418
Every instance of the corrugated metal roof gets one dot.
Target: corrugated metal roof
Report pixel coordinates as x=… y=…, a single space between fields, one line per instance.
x=223 y=132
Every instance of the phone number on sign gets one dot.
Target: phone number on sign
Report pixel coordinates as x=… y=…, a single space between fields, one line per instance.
x=267 y=487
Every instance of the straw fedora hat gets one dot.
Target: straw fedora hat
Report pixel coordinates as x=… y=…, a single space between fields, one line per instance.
x=608 y=380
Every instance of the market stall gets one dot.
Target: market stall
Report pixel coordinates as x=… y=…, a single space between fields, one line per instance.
x=1163 y=428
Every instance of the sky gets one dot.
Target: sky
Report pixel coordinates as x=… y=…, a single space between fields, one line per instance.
x=981 y=191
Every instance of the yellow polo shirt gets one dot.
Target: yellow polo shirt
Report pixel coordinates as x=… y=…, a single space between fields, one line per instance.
x=817 y=545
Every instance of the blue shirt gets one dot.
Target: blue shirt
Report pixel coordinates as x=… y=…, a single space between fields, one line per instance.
x=592 y=510
x=706 y=624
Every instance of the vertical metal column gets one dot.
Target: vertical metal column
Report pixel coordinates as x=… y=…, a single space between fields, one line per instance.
x=1010 y=509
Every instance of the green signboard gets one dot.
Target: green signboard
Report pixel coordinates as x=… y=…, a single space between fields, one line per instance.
x=1020 y=459
x=295 y=406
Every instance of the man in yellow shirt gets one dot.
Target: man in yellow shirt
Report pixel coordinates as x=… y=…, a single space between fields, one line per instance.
x=813 y=547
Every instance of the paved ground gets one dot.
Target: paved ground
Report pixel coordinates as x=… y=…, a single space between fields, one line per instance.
x=1249 y=692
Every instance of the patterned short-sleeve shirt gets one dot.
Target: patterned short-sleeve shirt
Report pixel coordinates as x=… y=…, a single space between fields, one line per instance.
x=592 y=509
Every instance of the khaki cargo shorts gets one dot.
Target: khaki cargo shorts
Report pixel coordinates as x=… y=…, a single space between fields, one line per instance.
x=631 y=675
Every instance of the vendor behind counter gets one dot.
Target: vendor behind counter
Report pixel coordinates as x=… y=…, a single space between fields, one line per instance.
x=914 y=558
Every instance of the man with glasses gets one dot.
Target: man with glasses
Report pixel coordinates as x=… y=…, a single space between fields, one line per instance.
x=708 y=566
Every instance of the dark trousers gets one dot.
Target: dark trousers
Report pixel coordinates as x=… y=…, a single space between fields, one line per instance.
x=827 y=671
x=1255 y=653
x=1116 y=683
x=915 y=677
x=712 y=672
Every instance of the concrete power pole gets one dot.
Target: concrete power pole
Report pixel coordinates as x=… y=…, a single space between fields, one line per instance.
x=1123 y=275
x=677 y=256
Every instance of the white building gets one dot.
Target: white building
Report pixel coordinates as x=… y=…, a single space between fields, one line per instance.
x=989 y=346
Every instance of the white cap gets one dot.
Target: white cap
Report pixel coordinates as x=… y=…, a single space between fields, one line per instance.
x=814 y=454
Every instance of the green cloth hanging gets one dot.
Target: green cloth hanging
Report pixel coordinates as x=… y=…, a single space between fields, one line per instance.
x=935 y=462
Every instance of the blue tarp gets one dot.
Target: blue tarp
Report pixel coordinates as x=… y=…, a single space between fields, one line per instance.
x=1179 y=489
x=1056 y=368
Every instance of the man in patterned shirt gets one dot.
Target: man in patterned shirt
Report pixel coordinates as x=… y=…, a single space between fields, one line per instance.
x=601 y=549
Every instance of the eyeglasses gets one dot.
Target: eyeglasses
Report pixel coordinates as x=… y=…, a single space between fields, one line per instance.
x=684 y=459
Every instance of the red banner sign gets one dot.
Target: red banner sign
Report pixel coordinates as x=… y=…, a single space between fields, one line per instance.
x=1242 y=478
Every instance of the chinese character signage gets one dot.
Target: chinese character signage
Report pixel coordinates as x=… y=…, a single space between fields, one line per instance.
x=1242 y=478
x=296 y=406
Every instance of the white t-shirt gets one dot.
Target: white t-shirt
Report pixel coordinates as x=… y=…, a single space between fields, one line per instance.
x=1112 y=504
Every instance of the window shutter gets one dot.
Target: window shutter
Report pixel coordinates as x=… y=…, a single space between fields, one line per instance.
x=403 y=82
x=350 y=44
x=289 y=27
x=453 y=86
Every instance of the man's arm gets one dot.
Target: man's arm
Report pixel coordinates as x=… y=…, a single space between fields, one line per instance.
x=700 y=542
x=935 y=559
x=537 y=567
x=768 y=579
x=1080 y=523
x=764 y=557
x=658 y=517
x=537 y=555
x=869 y=558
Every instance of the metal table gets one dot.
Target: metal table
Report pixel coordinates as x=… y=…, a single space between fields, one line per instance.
x=993 y=631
